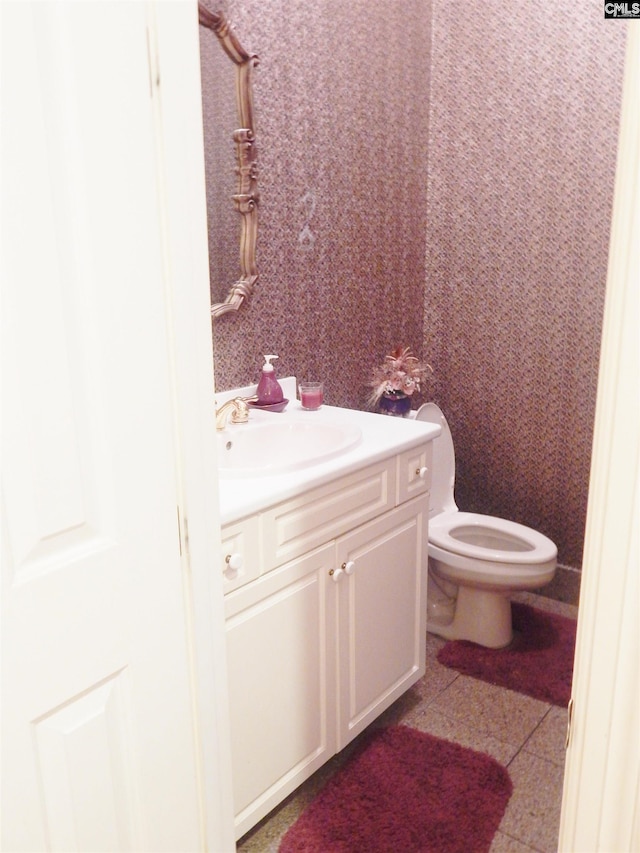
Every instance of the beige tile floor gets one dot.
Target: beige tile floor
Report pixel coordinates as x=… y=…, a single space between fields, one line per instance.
x=525 y=735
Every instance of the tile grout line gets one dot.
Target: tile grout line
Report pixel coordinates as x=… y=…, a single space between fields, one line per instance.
x=530 y=735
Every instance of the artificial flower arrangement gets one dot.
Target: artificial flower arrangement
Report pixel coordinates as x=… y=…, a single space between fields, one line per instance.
x=400 y=375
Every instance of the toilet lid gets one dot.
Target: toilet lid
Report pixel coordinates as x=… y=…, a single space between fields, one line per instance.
x=485 y=537
x=444 y=460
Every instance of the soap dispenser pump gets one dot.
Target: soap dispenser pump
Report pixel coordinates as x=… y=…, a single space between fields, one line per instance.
x=269 y=390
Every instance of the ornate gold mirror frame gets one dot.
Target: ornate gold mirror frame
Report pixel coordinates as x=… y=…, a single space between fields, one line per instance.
x=245 y=198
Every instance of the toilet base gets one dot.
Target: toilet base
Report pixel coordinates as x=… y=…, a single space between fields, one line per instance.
x=481 y=616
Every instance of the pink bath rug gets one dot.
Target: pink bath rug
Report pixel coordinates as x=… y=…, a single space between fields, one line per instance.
x=405 y=791
x=539 y=661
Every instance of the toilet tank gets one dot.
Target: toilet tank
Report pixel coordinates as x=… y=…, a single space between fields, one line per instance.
x=443 y=472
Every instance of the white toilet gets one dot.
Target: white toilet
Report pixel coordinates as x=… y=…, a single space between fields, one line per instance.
x=475 y=561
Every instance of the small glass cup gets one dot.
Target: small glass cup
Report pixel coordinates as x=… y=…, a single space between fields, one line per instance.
x=311 y=395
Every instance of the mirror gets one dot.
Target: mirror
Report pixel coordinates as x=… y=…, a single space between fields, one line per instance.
x=228 y=119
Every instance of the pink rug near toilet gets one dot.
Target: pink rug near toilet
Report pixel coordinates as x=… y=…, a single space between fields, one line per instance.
x=539 y=661
x=405 y=790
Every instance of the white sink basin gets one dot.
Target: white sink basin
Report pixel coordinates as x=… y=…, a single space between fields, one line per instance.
x=258 y=450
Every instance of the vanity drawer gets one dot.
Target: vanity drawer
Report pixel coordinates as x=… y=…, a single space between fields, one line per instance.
x=240 y=557
x=414 y=472
x=307 y=521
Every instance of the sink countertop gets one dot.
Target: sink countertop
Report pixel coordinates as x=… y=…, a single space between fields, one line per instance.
x=382 y=437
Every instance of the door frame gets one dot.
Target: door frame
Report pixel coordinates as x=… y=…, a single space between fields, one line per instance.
x=175 y=56
x=601 y=801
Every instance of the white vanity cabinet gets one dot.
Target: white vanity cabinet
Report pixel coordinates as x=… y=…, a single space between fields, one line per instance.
x=328 y=626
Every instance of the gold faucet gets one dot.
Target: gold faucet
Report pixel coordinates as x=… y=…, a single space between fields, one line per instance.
x=235 y=410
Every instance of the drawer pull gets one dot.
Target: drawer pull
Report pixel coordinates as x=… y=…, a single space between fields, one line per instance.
x=234 y=562
x=422 y=473
x=348 y=567
x=335 y=574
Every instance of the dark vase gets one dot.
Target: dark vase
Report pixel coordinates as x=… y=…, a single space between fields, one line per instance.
x=397 y=405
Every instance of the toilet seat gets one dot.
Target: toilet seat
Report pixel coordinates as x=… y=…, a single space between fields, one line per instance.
x=483 y=559
x=473 y=542
x=485 y=537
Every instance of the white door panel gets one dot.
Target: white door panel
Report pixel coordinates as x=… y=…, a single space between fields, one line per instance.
x=87 y=778
x=98 y=745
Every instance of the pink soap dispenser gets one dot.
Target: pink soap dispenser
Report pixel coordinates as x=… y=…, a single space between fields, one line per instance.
x=269 y=390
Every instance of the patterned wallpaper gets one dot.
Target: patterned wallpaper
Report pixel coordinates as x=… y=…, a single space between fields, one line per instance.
x=524 y=121
x=452 y=194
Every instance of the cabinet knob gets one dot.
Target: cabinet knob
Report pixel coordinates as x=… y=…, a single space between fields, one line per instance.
x=334 y=574
x=422 y=472
x=234 y=562
x=348 y=567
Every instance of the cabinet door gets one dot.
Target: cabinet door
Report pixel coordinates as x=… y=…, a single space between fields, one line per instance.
x=381 y=614
x=281 y=661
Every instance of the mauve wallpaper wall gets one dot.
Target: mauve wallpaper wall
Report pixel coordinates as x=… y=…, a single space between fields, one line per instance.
x=522 y=145
x=445 y=182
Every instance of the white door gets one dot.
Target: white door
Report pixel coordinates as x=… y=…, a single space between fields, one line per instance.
x=98 y=747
